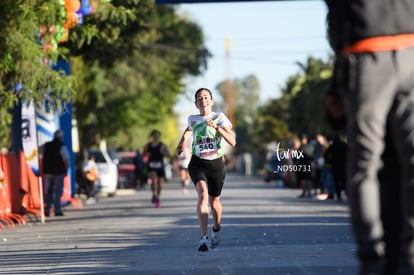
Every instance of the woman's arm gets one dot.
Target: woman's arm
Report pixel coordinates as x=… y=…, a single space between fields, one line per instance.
x=184 y=137
x=225 y=132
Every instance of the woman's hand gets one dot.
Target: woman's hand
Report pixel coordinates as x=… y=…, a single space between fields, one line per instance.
x=211 y=123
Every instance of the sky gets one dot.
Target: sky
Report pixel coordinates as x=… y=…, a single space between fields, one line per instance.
x=267 y=39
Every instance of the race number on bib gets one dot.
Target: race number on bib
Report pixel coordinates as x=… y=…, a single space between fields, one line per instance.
x=206 y=146
x=155 y=164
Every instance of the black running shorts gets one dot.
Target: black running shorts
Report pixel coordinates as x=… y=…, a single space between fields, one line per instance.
x=160 y=172
x=210 y=171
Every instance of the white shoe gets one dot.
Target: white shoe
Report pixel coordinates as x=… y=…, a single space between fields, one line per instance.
x=203 y=244
x=91 y=201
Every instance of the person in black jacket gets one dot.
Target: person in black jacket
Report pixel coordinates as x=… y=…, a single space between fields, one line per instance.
x=339 y=150
x=374 y=75
x=55 y=167
x=304 y=175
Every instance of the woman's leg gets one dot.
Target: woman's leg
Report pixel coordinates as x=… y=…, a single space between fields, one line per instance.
x=216 y=210
x=202 y=207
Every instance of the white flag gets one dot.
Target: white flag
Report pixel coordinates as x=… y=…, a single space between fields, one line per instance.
x=29 y=136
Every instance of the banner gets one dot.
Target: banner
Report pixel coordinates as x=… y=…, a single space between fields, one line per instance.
x=29 y=136
x=47 y=121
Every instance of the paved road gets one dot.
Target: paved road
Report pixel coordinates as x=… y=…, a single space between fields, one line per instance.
x=265 y=230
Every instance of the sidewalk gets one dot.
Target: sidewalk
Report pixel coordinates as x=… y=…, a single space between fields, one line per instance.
x=265 y=230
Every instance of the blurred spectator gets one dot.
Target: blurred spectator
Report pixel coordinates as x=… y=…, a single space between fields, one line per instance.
x=328 y=181
x=339 y=156
x=373 y=43
x=320 y=143
x=304 y=174
x=91 y=176
x=139 y=170
x=55 y=168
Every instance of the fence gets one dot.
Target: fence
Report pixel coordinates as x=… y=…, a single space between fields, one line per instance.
x=19 y=191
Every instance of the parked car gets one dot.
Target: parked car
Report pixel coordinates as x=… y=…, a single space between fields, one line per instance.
x=126 y=169
x=108 y=172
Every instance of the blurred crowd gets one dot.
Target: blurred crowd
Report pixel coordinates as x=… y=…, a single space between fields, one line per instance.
x=315 y=165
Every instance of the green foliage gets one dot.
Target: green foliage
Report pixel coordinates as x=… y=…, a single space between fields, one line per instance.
x=130 y=72
x=252 y=129
x=271 y=123
x=298 y=110
x=23 y=57
x=28 y=39
x=305 y=93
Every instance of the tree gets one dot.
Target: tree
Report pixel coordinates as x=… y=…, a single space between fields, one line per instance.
x=298 y=110
x=32 y=36
x=271 y=123
x=28 y=39
x=246 y=99
x=304 y=93
x=130 y=84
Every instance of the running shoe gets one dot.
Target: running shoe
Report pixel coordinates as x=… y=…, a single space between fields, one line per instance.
x=215 y=238
x=157 y=203
x=154 y=199
x=91 y=200
x=203 y=244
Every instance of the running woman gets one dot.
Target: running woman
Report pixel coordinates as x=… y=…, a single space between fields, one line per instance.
x=206 y=167
x=155 y=151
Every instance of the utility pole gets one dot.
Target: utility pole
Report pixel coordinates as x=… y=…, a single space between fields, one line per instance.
x=229 y=98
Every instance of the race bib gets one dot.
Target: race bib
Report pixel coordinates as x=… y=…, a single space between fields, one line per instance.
x=155 y=164
x=206 y=146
